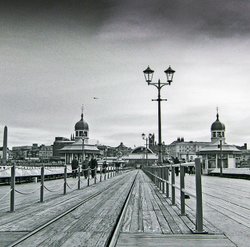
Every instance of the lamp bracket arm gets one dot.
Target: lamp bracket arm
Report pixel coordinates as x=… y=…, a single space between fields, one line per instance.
x=159 y=99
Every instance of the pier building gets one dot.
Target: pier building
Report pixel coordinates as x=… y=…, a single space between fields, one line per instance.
x=81 y=145
x=218 y=151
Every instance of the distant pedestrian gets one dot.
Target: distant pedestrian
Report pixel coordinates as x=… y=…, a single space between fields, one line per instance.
x=177 y=171
x=85 y=168
x=74 y=166
x=93 y=166
x=104 y=167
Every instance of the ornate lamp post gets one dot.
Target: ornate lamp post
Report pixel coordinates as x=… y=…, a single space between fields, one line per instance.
x=148 y=73
x=146 y=138
x=82 y=149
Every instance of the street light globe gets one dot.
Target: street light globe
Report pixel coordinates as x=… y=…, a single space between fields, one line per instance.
x=169 y=73
x=148 y=73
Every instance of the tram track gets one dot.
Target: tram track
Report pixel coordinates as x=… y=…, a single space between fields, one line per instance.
x=115 y=230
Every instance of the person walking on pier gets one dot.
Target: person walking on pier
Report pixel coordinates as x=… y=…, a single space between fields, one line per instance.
x=104 y=167
x=85 y=168
x=74 y=166
x=93 y=166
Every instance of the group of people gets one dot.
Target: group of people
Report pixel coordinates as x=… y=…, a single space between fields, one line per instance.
x=86 y=165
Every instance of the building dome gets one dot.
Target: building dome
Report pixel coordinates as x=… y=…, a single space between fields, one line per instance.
x=217 y=125
x=81 y=124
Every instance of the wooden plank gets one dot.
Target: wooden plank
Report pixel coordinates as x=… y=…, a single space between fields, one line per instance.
x=152 y=240
x=147 y=222
x=140 y=216
x=8 y=237
x=174 y=220
x=134 y=226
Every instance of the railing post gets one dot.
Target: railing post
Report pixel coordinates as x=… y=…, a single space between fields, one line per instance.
x=42 y=184
x=158 y=176
x=101 y=173
x=95 y=175
x=182 y=186
x=167 y=183
x=163 y=183
x=65 y=180
x=79 y=178
x=12 y=184
x=154 y=175
x=173 y=185
x=199 y=210
x=88 y=174
x=108 y=171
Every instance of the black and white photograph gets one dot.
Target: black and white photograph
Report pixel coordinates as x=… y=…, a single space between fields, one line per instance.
x=124 y=123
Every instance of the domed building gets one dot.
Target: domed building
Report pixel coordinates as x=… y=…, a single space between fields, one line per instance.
x=218 y=151
x=81 y=129
x=82 y=148
x=217 y=130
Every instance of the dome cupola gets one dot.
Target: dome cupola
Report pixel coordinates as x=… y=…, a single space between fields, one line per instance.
x=81 y=129
x=217 y=125
x=81 y=124
x=217 y=130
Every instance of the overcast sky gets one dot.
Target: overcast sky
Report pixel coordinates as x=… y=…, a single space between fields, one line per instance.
x=58 y=55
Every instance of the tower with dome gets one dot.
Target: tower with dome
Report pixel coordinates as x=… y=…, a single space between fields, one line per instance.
x=81 y=129
x=82 y=147
x=218 y=151
x=217 y=130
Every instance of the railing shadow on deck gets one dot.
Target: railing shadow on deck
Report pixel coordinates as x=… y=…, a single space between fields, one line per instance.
x=164 y=178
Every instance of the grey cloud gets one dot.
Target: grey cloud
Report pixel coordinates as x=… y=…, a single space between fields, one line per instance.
x=69 y=14
x=224 y=18
x=217 y=18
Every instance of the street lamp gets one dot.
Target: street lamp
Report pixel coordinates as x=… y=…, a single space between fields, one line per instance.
x=148 y=73
x=147 y=141
x=83 y=151
x=221 y=164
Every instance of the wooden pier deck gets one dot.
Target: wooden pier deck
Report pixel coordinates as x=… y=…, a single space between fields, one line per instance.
x=149 y=218
x=90 y=224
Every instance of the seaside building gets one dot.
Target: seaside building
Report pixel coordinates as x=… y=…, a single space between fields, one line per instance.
x=218 y=151
x=81 y=146
x=140 y=156
x=45 y=152
x=185 y=150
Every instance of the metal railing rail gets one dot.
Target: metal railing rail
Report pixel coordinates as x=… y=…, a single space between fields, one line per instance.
x=12 y=191
x=164 y=178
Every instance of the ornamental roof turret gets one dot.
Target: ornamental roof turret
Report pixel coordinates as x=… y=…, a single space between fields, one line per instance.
x=217 y=125
x=81 y=124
